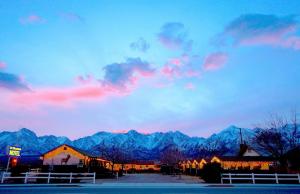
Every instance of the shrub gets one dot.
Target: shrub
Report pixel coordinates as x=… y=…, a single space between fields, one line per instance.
x=211 y=173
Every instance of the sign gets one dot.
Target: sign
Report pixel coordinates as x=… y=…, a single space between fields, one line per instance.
x=14 y=151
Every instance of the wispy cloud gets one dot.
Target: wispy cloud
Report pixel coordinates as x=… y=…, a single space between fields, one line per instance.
x=66 y=96
x=182 y=66
x=173 y=35
x=73 y=17
x=32 y=19
x=140 y=45
x=260 y=29
x=127 y=73
x=2 y=65
x=215 y=61
x=190 y=86
x=87 y=79
x=12 y=82
x=119 y=80
x=193 y=73
x=171 y=71
x=179 y=61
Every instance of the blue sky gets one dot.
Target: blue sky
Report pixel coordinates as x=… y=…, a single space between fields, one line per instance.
x=73 y=68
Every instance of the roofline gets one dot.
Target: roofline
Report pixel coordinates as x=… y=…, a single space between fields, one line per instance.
x=54 y=149
x=227 y=158
x=72 y=147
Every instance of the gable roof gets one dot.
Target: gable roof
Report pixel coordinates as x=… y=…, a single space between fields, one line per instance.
x=244 y=148
x=83 y=152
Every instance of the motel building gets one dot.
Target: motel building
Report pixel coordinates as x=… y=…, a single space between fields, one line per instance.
x=142 y=167
x=247 y=158
x=66 y=155
x=237 y=163
x=71 y=156
x=135 y=167
x=192 y=166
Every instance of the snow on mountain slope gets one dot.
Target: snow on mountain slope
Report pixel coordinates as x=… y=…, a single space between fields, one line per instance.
x=147 y=145
x=230 y=138
x=30 y=143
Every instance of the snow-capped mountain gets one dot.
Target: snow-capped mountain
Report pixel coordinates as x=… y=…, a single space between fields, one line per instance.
x=142 y=146
x=230 y=138
x=30 y=142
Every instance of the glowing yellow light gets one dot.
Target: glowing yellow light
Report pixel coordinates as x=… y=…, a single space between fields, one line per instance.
x=14 y=151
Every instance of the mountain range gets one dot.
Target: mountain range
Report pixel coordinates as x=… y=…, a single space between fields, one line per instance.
x=141 y=146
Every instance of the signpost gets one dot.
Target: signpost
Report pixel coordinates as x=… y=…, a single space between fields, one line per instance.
x=12 y=151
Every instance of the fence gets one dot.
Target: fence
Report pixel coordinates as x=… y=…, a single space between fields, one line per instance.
x=256 y=177
x=48 y=176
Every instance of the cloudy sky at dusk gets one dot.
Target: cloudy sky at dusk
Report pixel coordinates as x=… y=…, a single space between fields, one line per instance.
x=77 y=67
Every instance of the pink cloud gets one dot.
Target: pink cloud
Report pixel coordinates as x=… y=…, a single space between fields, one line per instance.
x=265 y=37
x=215 y=61
x=67 y=96
x=291 y=42
x=113 y=84
x=71 y=17
x=32 y=19
x=85 y=79
x=2 y=65
x=161 y=84
x=177 y=72
x=179 y=61
x=184 y=66
x=190 y=86
x=170 y=71
x=277 y=39
x=192 y=73
x=143 y=73
x=260 y=29
x=176 y=61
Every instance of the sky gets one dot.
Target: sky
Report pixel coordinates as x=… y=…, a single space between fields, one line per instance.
x=73 y=68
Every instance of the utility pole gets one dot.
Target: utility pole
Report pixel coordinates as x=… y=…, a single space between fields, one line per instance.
x=241 y=135
x=8 y=161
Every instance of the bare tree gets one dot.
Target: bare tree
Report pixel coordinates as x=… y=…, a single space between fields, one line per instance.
x=271 y=141
x=294 y=135
x=171 y=156
x=278 y=136
x=114 y=154
x=125 y=158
